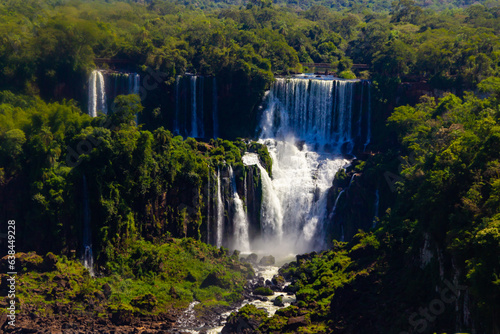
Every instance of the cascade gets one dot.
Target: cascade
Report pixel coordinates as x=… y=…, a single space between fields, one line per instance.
x=319 y=112
x=220 y=212
x=369 y=119
x=240 y=222
x=196 y=111
x=271 y=212
x=88 y=259
x=200 y=115
x=307 y=123
x=194 y=121
x=377 y=200
x=97 y=93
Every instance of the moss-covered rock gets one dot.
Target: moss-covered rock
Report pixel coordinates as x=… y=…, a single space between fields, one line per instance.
x=263 y=291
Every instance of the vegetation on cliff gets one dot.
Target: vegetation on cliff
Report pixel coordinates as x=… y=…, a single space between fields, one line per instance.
x=147 y=282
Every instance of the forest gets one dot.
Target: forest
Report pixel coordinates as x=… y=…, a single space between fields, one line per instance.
x=434 y=72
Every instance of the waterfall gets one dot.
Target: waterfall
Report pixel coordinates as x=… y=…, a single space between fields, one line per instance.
x=97 y=94
x=88 y=258
x=369 y=119
x=220 y=212
x=271 y=211
x=377 y=201
x=215 y=115
x=335 y=205
x=200 y=119
x=240 y=222
x=208 y=207
x=194 y=125
x=107 y=86
x=307 y=123
x=191 y=116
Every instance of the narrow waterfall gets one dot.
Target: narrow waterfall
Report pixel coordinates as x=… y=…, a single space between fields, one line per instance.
x=200 y=119
x=377 y=203
x=136 y=84
x=196 y=111
x=369 y=119
x=240 y=239
x=194 y=117
x=97 y=94
x=220 y=212
x=215 y=111
x=335 y=205
x=307 y=123
x=209 y=191
x=88 y=258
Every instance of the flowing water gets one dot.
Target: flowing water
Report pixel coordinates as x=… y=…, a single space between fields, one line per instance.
x=105 y=86
x=97 y=94
x=240 y=220
x=307 y=126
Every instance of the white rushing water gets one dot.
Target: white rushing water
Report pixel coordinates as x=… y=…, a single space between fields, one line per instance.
x=220 y=212
x=97 y=94
x=240 y=220
x=194 y=124
x=306 y=124
x=119 y=83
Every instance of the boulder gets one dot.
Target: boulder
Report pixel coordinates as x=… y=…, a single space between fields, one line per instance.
x=297 y=321
x=49 y=262
x=263 y=291
x=252 y=258
x=215 y=279
x=267 y=261
x=278 y=301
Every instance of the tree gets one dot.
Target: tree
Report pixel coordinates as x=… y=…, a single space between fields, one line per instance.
x=405 y=11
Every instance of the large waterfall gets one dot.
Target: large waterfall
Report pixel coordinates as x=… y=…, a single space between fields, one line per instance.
x=196 y=111
x=327 y=114
x=105 y=86
x=308 y=125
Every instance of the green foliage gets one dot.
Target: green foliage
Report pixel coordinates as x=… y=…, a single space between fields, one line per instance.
x=137 y=287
